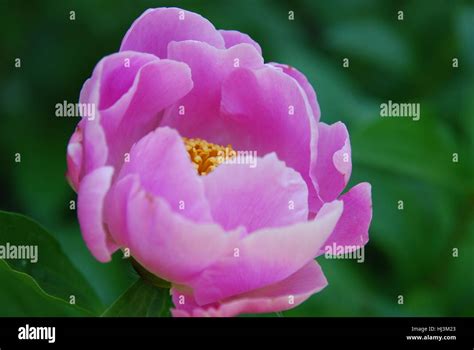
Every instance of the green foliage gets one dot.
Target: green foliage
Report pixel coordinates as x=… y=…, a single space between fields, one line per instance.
x=410 y=252
x=20 y=295
x=141 y=300
x=53 y=271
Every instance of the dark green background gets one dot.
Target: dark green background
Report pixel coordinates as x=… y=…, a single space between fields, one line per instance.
x=410 y=250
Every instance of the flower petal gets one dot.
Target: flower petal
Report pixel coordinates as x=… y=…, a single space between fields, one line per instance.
x=306 y=86
x=87 y=150
x=266 y=257
x=115 y=74
x=90 y=205
x=115 y=211
x=352 y=229
x=135 y=89
x=128 y=91
x=170 y=245
x=74 y=159
x=156 y=28
x=198 y=113
x=333 y=166
x=267 y=111
x=165 y=170
x=281 y=296
x=233 y=37
x=265 y=191
x=94 y=145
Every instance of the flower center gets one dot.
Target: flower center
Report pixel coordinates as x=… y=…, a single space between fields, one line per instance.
x=207 y=156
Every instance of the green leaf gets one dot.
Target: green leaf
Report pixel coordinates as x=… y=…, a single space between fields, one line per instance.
x=21 y=296
x=53 y=271
x=109 y=280
x=142 y=299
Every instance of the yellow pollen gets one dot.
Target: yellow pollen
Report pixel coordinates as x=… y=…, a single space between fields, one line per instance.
x=207 y=156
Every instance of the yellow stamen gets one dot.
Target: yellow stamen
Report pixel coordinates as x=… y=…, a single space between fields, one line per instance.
x=207 y=156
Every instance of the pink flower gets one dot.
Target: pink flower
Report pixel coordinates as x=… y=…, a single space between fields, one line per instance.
x=243 y=238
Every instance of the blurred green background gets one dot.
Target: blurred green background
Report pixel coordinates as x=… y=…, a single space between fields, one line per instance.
x=410 y=252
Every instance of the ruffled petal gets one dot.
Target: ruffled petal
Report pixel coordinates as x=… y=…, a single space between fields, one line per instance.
x=129 y=91
x=115 y=74
x=198 y=113
x=90 y=206
x=333 y=166
x=280 y=296
x=168 y=244
x=115 y=211
x=162 y=163
x=238 y=100
x=74 y=159
x=265 y=191
x=352 y=230
x=305 y=85
x=134 y=89
x=267 y=111
x=265 y=257
x=95 y=149
x=156 y=28
x=233 y=37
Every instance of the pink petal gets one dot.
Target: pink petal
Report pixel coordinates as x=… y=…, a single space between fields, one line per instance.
x=333 y=167
x=115 y=75
x=267 y=111
x=306 y=86
x=134 y=89
x=170 y=245
x=184 y=302
x=352 y=229
x=281 y=296
x=266 y=257
x=110 y=80
x=90 y=206
x=74 y=159
x=115 y=210
x=157 y=86
x=266 y=195
x=165 y=170
x=94 y=146
x=156 y=28
x=90 y=92
x=233 y=37
x=129 y=90
x=198 y=113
